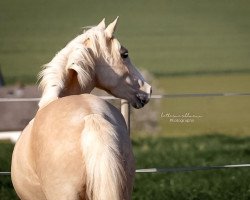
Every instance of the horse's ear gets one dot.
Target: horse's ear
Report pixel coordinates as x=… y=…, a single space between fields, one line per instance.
x=111 y=28
x=102 y=25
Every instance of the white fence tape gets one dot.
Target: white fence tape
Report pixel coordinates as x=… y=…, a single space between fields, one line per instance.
x=176 y=170
x=156 y=96
x=10 y=135
x=190 y=169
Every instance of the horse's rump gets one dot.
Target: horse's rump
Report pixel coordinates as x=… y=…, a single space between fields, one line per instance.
x=76 y=149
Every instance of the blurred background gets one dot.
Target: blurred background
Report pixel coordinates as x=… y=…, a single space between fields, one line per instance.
x=182 y=46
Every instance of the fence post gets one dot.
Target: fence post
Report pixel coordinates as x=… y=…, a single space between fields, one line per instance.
x=125 y=110
x=2 y=83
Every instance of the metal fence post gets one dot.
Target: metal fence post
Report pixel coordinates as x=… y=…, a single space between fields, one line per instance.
x=125 y=110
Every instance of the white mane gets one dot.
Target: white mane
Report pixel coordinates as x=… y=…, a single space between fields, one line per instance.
x=78 y=56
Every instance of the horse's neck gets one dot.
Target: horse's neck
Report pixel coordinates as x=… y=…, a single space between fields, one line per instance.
x=59 y=86
x=71 y=86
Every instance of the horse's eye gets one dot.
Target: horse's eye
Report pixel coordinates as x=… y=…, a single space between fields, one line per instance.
x=124 y=55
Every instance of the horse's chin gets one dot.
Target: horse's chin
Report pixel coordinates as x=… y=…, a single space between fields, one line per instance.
x=137 y=101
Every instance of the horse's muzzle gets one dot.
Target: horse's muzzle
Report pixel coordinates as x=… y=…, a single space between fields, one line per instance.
x=141 y=100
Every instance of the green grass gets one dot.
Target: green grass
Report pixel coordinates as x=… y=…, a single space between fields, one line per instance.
x=228 y=115
x=190 y=46
x=167 y=37
x=192 y=151
x=7 y=191
x=164 y=152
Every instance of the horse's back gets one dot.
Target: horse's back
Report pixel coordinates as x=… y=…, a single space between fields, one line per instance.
x=76 y=107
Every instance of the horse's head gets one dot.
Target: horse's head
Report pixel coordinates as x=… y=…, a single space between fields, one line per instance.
x=94 y=59
x=114 y=70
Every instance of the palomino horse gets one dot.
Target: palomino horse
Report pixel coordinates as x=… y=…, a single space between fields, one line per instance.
x=77 y=146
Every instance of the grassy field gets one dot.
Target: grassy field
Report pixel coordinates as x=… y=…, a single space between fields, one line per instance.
x=192 y=151
x=164 y=152
x=167 y=38
x=228 y=115
x=189 y=46
x=7 y=191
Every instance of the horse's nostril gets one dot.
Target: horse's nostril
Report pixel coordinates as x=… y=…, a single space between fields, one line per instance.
x=143 y=101
x=146 y=100
x=143 y=98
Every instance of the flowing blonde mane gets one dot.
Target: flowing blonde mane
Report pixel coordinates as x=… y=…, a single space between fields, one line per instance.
x=78 y=56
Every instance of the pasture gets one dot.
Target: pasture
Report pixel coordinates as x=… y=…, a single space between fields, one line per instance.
x=164 y=152
x=168 y=38
x=189 y=47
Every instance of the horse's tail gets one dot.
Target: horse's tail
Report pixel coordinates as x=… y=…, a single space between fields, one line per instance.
x=105 y=173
